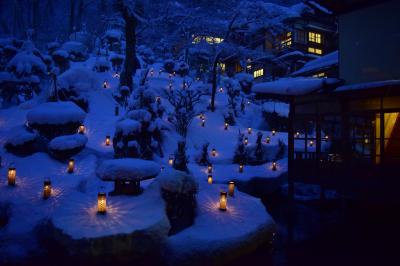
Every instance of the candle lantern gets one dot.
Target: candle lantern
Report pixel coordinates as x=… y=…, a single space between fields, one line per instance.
x=366 y=139
x=221 y=90
x=117 y=110
x=151 y=73
x=108 y=140
x=158 y=99
x=241 y=168
x=268 y=140
x=326 y=137
x=226 y=126
x=201 y=116
x=71 y=165
x=246 y=141
x=248 y=102
x=174 y=73
x=223 y=198
x=249 y=130
x=171 y=160
x=274 y=166
x=311 y=143
x=159 y=72
x=105 y=84
x=210 y=179
x=81 y=129
x=170 y=75
x=203 y=122
x=101 y=203
x=297 y=134
x=231 y=188
x=209 y=168
x=214 y=152
x=11 y=176
x=273 y=132
x=46 y=189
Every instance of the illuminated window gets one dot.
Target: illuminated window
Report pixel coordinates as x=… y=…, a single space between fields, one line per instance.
x=319 y=75
x=222 y=66
x=314 y=50
x=238 y=68
x=286 y=42
x=208 y=39
x=258 y=73
x=314 y=37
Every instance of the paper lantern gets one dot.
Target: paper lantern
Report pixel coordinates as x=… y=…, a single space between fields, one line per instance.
x=108 y=140
x=11 y=176
x=249 y=130
x=223 y=198
x=274 y=166
x=273 y=132
x=101 y=203
x=209 y=168
x=171 y=160
x=268 y=140
x=81 y=129
x=226 y=126
x=46 y=189
x=246 y=141
x=210 y=179
x=214 y=152
x=231 y=188
x=241 y=168
x=71 y=166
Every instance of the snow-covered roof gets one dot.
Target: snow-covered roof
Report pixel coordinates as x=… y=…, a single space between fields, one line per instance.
x=320 y=8
x=368 y=85
x=324 y=62
x=292 y=86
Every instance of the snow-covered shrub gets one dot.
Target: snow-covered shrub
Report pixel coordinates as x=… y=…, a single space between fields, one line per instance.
x=52 y=46
x=116 y=61
x=61 y=59
x=229 y=118
x=233 y=91
x=17 y=90
x=169 y=65
x=21 y=142
x=112 y=39
x=181 y=68
x=101 y=64
x=245 y=81
x=5 y=213
x=26 y=64
x=282 y=149
x=257 y=154
x=125 y=141
x=77 y=51
x=146 y=54
x=180 y=158
x=274 y=119
x=64 y=147
x=240 y=156
x=179 y=189
x=203 y=158
x=54 y=119
x=7 y=52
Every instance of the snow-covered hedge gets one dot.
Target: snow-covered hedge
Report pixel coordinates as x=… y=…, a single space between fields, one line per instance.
x=65 y=147
x=77 y=51
x=245 y=81
x=127 y=168
x=182 y=68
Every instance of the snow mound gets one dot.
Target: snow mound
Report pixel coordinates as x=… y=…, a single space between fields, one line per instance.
x=127 y=168
x=56 y=113
x=68 y=142
x=26 y=63
x=19 y=136
x=127 y=126
x=79 y=78
x=177 y=181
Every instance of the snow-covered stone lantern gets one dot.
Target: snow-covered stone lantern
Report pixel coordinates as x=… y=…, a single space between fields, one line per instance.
x=81 y=129
x=273 y=132
x=241 y=168
x=267 y=140
x=231 y=188
x=249 y=130
x=47 y=189
x=223 y=198
x=246 y=141
x=11 y=176
x=101 y=203
x=210 y=179
x=214 y=152
x=209 y=168
x=274 y=166
x=226 y=126
x=108 y=140
x=71 y=166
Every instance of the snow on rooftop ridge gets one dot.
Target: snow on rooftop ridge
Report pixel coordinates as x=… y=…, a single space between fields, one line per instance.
x=127 y=168
x=292 y=86
x=325 y=61
x=68 y=142
x=55 y=113
x=321 y=8
x=368 y=85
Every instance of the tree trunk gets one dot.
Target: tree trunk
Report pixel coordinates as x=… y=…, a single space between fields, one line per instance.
x=214 y=83
x=130 y=53
x=71 y=16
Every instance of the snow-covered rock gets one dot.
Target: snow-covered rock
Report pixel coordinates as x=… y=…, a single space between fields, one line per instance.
x=127 y=168
x=19 y=136
x=55 y=113
x=68 y=142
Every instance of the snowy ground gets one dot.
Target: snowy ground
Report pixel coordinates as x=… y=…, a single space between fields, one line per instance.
x=72 y=205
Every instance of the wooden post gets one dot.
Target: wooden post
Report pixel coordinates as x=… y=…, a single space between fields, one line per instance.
x=291 y=149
